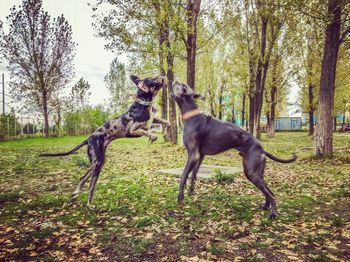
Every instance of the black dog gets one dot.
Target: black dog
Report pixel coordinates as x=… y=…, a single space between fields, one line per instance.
x=134 y=123
x=206 y=135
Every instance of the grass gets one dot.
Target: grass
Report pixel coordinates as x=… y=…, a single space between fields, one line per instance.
x=137 y=217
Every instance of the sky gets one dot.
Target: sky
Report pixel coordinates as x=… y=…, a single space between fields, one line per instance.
x=91 y=60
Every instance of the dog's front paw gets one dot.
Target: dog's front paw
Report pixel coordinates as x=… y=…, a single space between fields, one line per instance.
x=273 y=216
x=153 y=138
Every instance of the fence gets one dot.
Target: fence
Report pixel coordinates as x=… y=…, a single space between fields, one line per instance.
x=12 y=127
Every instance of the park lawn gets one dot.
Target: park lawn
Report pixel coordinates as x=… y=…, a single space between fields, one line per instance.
x=137 y=217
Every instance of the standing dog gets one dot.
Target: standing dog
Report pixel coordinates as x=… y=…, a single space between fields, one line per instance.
x=206 y=135
x=133 y=123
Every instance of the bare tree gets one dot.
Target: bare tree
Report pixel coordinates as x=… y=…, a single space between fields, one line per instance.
x=40 y=53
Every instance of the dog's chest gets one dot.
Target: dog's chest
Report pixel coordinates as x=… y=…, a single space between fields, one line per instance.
x=117 y=127
x=142 y=116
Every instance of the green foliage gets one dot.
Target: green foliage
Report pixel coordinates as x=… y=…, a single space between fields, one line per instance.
x=120 y=89
x=80 y=94
x=224 y=178
x=84 y=121
x=9 y=126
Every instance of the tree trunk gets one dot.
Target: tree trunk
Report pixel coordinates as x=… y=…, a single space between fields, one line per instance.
x=343 y=121
x=324 y=127
x=259 y=79
x=251 y=94
x=192 y=12
x=221 y=98
x=46 y=116
x=268 y=123
x=172 y=130
x=271 y=121
x=164 y=110
x=211 y=102
x=220 y=107
x=243 y=109
x=59 y=119
x=311 y=109
x=172 y=135
x=233 y=110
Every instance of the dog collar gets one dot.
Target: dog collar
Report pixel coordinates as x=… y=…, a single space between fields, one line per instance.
x=143 y=102
x=190 y=114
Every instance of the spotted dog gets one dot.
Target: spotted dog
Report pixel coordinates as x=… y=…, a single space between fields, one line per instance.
x=206 y=135
x=133 y=123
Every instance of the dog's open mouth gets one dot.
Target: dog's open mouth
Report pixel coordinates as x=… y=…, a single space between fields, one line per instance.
x=145 y=88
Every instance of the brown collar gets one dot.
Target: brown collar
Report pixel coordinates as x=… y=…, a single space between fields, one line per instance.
x=190 y=114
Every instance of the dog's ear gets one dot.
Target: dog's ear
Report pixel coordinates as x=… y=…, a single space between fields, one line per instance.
x=135 y=79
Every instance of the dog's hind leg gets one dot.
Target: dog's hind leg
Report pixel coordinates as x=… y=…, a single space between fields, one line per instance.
x=194 y=174
x=82 y=181
x=94 y=177
x=84 y=178
x=98 y=158
x=193 y=158
x=254 y=166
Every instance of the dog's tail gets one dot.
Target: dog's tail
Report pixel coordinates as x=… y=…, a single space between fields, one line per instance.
x=70 y=152
x=279 y=159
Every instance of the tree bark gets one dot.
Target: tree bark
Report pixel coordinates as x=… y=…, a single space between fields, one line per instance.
x=46 y=116
x=211 y=102
x=324 y=127
x=192 y=12
x=251 y=94
x=243 y=108
x=162 y=41
x=233 y=110
x=311 y=109
x=172 y=130
x=221 y=98
x=220 y=107
x=343 y=121
x=271 y=116
x=172 y=134
x=259 y=91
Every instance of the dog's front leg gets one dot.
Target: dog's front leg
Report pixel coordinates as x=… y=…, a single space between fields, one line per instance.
x=137 y=130
x=193 y=158
x=157 y=120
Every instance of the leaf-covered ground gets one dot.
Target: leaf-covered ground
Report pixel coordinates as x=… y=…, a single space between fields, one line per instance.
x=137 y=217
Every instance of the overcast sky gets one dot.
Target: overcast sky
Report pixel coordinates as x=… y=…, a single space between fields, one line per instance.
x=91 y=60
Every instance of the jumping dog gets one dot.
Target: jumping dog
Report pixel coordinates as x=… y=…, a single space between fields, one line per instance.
x=133 y=123
x=206 y=135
